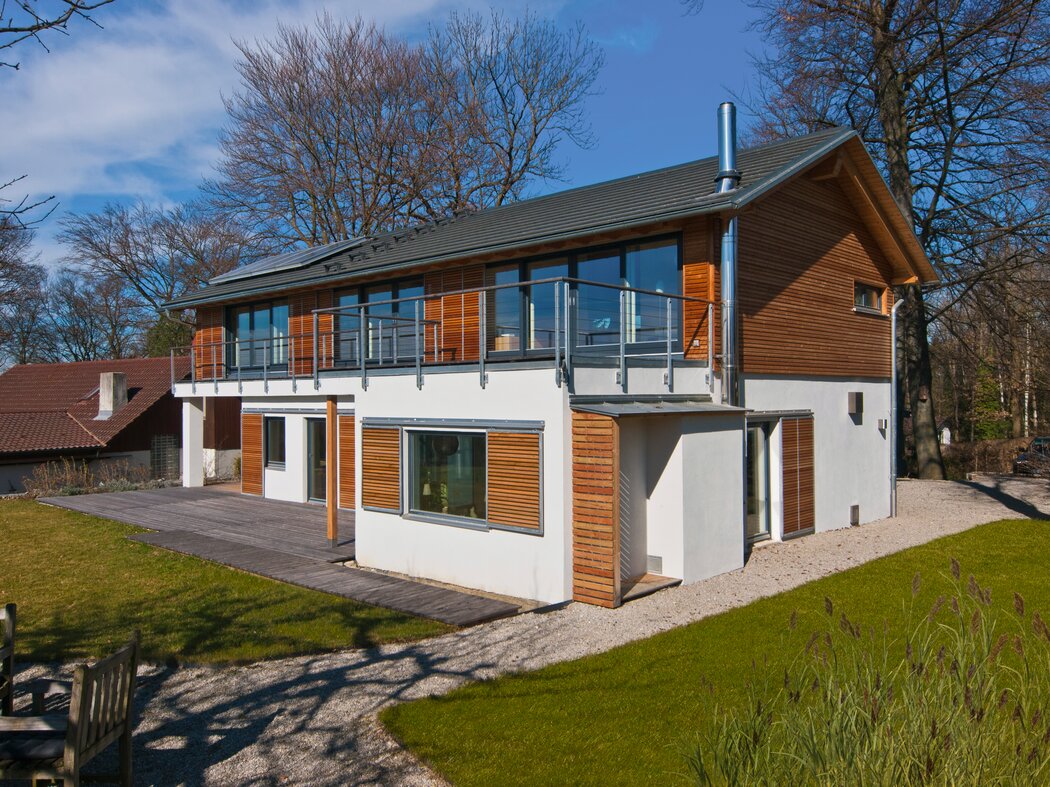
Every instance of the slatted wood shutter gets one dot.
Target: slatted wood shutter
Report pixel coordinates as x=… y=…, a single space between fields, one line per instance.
x=251 y=453
x=595 y=509
x=347 y=462
x=514 y=480
x=209 y=353
x=381 y=468
x=796 y=438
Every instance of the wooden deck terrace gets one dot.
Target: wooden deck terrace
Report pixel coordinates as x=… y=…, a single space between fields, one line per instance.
x=278 y=540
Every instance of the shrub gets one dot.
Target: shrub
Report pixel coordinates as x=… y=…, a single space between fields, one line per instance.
x=962 y=698
x=79 y=477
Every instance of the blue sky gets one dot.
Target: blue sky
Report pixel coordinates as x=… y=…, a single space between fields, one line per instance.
x=132 y=110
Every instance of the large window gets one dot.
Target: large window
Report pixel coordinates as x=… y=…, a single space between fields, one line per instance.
x=275 y=442
x=260 y=335
x=447 y=473
x=390 y=334
x=521 y=320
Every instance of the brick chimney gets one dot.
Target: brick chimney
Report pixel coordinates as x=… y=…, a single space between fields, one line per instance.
x=112 y=394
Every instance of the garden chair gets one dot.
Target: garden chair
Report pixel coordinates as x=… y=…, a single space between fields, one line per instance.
x=7 y=659
x=101 y=701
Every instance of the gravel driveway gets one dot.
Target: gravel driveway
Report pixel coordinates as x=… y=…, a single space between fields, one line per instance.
x=312 y=720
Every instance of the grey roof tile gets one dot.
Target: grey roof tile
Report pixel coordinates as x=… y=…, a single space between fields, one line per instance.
x=673 y=192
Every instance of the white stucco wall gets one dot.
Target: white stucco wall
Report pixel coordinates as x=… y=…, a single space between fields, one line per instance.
x=512 y=563
x=220 y=462
x=851 y=460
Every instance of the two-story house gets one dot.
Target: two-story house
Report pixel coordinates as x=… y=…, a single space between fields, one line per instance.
x=555 y=398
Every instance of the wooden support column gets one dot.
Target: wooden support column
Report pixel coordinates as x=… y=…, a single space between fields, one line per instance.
x=332 y=470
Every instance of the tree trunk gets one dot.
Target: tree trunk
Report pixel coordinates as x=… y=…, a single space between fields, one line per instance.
x=928 y=463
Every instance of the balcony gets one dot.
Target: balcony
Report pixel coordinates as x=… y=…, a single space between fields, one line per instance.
x=563 y=322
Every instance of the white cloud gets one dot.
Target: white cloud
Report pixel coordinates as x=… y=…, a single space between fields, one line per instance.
x=133 y=110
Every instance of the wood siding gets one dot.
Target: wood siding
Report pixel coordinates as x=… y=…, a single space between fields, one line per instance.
x=460 y=333
x=301 y=307
x=514 y=480
x=699 y=280
x=796 y=435
x=595 y=509
x=251 y=453
x=347 y=462
x=381 y=468
x=801 y=249
x=208 y=350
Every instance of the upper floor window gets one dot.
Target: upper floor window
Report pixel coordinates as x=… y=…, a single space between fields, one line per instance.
x=867 y=297
x=390 y=331
x=260 y=334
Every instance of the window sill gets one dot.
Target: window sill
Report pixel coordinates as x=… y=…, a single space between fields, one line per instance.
x=275 y=465
x=870 y=312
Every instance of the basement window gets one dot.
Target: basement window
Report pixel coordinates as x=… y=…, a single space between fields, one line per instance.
x=868 y=298
x=447 y=474
x=275 y=443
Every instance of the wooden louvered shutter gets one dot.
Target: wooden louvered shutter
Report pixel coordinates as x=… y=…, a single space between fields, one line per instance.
x=796 y=436
x=381 y=468
x=595 y=509
x=514 y=480
x=209 y=352
x=347 y=462
x=251 y=453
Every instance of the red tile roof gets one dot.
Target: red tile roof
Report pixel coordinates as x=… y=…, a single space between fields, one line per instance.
x=52 y=407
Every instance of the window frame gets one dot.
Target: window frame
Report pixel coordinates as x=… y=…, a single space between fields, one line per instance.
x=360 y=291
x=230 y=323
x=880 y=292
x=409 y=472
x=571 y=258
x=275 y=464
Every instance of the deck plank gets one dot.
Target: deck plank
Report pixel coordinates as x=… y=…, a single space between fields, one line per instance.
x=280 y=540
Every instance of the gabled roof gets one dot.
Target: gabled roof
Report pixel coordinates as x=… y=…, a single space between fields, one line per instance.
x=676 y=192
x=47 y=407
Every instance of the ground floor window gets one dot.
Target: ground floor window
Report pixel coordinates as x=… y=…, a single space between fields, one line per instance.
x=275 y=442
x=447 y=473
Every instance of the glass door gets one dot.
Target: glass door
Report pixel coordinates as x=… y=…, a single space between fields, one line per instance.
x=757 y=482
x=316 y=464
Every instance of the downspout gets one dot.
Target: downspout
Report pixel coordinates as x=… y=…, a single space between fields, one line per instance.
x=728 y=179
x=893 y=409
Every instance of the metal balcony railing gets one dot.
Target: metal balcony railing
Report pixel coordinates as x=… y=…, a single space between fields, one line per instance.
x=560 y=319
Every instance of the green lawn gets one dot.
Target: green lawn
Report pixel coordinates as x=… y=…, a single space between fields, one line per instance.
x=631 y=715
x=82 y=587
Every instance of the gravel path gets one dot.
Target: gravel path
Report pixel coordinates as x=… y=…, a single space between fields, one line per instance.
x=313 y=719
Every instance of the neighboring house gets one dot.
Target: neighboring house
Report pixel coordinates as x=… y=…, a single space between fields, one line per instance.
x=543 y=399
x=93 y=411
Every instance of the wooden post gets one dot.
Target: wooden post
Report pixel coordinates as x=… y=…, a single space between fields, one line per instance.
x=332 y=470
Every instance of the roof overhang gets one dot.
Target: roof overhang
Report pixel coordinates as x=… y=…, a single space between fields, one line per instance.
x=625 y=406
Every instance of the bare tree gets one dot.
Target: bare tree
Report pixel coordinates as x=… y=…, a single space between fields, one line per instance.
x=952 y=96
x=23 y=312
x=89 y=318
x=27 y=19
x=342 y=130
x=156 y=254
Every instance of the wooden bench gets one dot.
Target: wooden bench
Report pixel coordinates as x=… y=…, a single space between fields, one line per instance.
x=7 y=659
x=101 y=703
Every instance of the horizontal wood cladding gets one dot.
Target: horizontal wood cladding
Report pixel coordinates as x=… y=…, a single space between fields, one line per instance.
x=208 y=352
x=347 y=462
x=514 y=480
x=595 y=509
x=801 y=250
x=301 y=306
x=698 y=281
x=459 y=315
x=251 y=453
x=381 y=468
x=796 y=435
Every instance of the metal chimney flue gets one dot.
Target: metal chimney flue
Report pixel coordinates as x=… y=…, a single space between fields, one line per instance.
x=728 y=180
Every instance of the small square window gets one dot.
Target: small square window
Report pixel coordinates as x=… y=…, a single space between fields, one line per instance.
x=275 y=442
x=867 y=297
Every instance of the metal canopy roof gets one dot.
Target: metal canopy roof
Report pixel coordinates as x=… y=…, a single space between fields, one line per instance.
x=620 y=407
